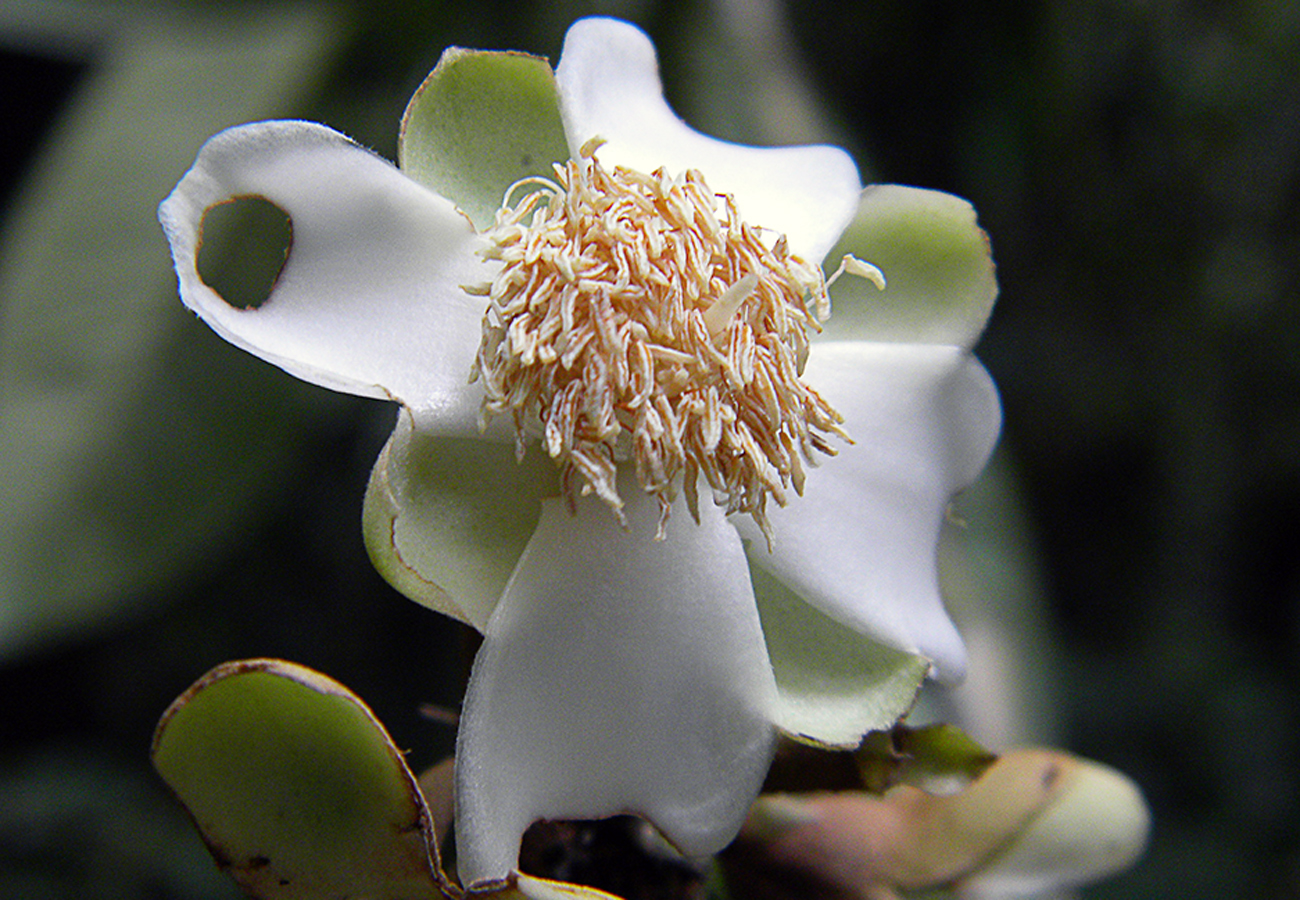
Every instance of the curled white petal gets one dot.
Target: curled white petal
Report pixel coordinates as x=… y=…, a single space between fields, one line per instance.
x=608 y=78
x=369 y=300
x=617 y=674
x=860 y=545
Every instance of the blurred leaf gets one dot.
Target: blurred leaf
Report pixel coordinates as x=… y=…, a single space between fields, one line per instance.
x=296 y=787
x=124 y=454
x=992 y=584
x=74 y=823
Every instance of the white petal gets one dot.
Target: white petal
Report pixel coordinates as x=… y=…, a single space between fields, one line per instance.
x=861 y=544
x=618 y=674
x=369 y=300
x=609 y=87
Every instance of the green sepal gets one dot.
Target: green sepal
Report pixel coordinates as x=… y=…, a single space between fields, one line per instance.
x=940 y=283
x=295 y=786
x=446 y=519
x=834 y=685
x=939 y=758
x=481 y=121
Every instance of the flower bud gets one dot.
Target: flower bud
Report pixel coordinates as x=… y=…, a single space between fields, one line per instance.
x=1094 y=824
x=1033 y=819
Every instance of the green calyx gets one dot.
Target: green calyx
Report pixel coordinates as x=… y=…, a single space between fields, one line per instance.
x=481 y=121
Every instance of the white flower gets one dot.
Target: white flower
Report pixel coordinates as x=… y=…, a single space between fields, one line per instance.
x=619 y=672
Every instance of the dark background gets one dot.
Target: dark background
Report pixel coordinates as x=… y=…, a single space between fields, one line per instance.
x=1135 y=164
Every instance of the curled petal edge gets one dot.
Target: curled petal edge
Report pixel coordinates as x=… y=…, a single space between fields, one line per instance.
x=369 y=300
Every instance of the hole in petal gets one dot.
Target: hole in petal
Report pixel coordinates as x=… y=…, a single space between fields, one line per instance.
x=245 y=242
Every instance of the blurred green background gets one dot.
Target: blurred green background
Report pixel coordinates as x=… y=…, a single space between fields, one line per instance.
x=1130 y=578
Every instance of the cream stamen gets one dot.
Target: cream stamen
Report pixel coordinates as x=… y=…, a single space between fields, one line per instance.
x=637 y=317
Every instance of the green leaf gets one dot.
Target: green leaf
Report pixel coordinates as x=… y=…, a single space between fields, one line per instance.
x=481 y=121
x=940 y=281
x=296 y=787
x=834 y=685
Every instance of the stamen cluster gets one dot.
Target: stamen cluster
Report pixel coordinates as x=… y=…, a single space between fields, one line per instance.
x=638 y=317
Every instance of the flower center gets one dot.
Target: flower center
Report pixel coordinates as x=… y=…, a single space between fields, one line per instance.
x=637 y=317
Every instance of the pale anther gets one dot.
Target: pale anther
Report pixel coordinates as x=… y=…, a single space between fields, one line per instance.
x=720 y=313
x=854 y=266
x=637 y=318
